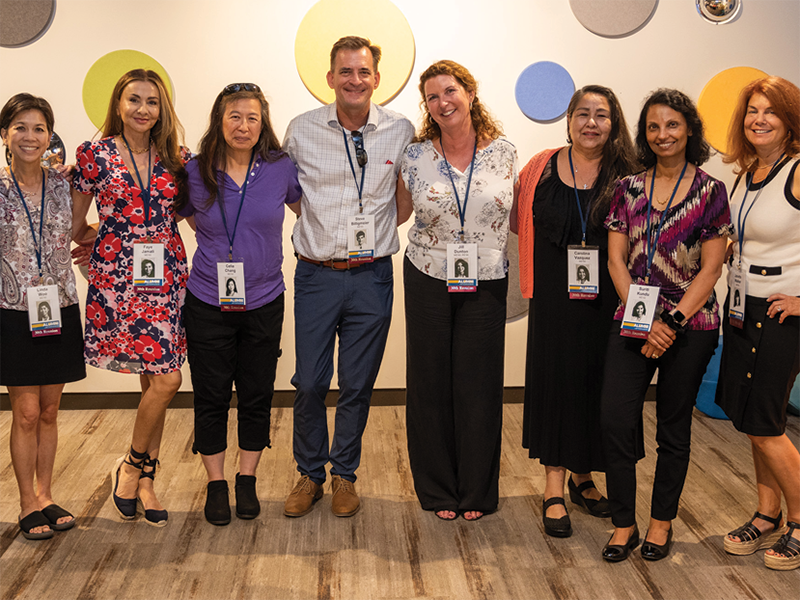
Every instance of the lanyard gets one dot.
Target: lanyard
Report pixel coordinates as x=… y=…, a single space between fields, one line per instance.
x=651 y=247
x=577 y=199
x=37 y=246
x=353 y=170
x=462 y=211
x=231 y=236
x=741 y=221
x=145 y=190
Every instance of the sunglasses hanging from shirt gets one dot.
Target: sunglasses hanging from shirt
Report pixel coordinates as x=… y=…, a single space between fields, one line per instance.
x=360 y=227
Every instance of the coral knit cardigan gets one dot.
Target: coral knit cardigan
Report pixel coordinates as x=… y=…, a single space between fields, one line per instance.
x=528 y=180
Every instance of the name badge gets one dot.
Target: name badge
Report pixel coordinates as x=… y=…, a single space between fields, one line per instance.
x=583 y=272
x=44 y=310
x=148 y=267
x=462 y=267
x=738 y=295
x=640 y=310
x=361 y=239
x=230 y=284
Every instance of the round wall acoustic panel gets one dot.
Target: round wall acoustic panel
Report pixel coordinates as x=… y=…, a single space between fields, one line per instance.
x=718 y=100
x=103 y=75
x=613 y=18
x=379 y=20
x=22 y=22
x=543 y=91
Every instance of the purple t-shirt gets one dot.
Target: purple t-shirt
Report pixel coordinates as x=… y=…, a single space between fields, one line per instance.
x=702 y=215
x=259 y=235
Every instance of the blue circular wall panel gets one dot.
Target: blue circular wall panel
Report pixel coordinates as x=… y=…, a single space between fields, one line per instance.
x=543 y=91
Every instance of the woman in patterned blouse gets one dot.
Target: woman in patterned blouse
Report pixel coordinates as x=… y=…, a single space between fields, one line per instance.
x=667 y=230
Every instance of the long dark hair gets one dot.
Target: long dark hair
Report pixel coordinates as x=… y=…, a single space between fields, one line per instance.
x=166 y=134
x=619 y=155
x=698 y=150
x=213 y=150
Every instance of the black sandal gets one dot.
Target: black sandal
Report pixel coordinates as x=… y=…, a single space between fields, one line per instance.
x=154 y=517
x=596 y=508
x=35 y=519
x=787 y=551
x=126 y=507
x=53 y=513
x=751 y=538
x=561 y=527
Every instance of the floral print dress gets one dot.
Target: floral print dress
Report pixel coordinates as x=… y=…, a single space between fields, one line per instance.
x=126 y=331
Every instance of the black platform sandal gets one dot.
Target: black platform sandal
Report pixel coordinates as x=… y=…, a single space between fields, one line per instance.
x=126 y=507
x=596 y=508
x=156 y=518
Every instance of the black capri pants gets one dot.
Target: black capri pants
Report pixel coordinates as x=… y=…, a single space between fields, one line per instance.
x=627 y=376
x=228 y=347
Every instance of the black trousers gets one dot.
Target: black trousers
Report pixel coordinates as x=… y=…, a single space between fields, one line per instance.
x=455 y=344
x=627 y=376
x=224 y=347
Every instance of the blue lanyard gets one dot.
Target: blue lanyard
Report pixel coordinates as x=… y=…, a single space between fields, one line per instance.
x=651 y=247
x=462 y=211
x=577 y=199
x=145 y=190
x=37 y=246
x=353 y=170
x=231 y=236
x=739 y=220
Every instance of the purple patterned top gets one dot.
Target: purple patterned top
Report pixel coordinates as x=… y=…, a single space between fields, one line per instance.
x=702 y=215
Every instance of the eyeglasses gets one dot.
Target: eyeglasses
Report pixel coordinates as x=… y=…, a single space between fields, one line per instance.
x=361 y=154
x=240 y=87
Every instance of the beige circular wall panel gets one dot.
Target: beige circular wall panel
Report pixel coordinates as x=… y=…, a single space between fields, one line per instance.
x=718 y=100
x=22 y=22
x=613 y=18
x=379 y=20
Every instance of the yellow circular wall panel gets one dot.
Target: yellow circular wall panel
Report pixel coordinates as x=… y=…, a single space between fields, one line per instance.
x=104 y=74
x=718 y=100
x=379 y=20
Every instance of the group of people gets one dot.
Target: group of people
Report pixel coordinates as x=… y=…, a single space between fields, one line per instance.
x=639 y=222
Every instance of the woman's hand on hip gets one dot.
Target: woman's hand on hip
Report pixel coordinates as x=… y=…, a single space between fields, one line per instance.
x=783 y=306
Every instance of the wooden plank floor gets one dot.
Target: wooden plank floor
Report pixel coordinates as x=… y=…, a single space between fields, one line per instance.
x=391 y=549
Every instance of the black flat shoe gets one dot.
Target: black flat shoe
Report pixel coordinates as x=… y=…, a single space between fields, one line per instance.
x=247 y=504
x=218 y=507
x=618 y=553
x=651 y=551
x=596 y=508
x=559 y=528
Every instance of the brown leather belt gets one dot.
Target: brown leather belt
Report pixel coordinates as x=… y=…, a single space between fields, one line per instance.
x=337 y=264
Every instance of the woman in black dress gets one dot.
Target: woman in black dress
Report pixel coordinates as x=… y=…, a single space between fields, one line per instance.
x=566 y=193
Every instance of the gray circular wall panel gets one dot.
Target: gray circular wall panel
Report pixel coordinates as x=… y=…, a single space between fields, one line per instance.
x=613 y=18
x=23 y=22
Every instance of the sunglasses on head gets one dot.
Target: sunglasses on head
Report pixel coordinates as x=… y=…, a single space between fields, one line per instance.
x=361 y=154
x=240 y=87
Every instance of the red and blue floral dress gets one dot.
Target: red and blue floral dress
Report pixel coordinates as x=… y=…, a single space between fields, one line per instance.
x=126 y=331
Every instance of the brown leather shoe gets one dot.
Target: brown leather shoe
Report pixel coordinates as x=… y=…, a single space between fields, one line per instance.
x=344 y=502
x=302 y=499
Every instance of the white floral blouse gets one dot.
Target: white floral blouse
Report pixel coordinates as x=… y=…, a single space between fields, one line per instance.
x=19 y=266
x=436 y=216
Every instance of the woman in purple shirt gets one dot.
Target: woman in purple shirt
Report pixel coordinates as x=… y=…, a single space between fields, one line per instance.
x=233 y=195
x=667 y=231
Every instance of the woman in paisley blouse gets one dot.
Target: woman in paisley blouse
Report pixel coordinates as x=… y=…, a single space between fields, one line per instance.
x=459 y=178
x=36 y=226
x=133 y=328
x=667 y=229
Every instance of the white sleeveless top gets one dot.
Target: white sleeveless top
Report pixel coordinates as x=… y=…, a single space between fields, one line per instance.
x=772 y=234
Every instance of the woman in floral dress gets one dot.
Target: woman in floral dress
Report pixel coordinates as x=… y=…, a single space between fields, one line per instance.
x=133 y=324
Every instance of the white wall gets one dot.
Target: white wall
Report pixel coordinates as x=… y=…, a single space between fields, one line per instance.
x=206 y=44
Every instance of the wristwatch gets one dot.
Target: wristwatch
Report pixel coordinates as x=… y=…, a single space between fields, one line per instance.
x=674 y=320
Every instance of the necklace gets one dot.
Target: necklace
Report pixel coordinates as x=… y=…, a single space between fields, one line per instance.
x=136 y=151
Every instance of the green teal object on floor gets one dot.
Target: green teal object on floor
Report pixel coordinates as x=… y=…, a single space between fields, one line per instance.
x=794 y=398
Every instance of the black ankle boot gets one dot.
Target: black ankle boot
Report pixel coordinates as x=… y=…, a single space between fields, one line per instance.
x=218 y=508
x=247 y=504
